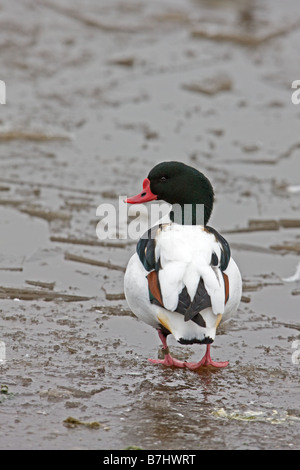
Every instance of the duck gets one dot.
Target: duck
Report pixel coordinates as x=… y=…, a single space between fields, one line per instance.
x=182 y=279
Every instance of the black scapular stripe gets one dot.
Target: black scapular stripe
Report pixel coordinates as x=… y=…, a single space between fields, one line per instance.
x=146 y=248
x=225 y=248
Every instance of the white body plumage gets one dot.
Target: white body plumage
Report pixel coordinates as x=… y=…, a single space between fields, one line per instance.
x=184 y=253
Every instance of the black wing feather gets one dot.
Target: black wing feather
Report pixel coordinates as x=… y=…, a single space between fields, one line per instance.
x=191 y=308
x=225 y=248
x=146 y=248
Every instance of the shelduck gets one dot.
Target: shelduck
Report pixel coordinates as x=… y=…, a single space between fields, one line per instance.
x=182 y=279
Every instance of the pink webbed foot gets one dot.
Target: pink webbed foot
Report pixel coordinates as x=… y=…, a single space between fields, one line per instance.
x=168 y=361
x=206 y=361
x=197 y=365
x=172 y=362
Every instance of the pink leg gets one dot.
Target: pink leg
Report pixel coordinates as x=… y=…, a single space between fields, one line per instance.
x=163 y=339
x=168 y=359
x=205 y=361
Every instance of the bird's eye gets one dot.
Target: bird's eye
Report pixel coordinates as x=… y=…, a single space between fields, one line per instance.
x=163 y=178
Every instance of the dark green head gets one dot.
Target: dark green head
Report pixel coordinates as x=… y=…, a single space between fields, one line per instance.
x=180 y=185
